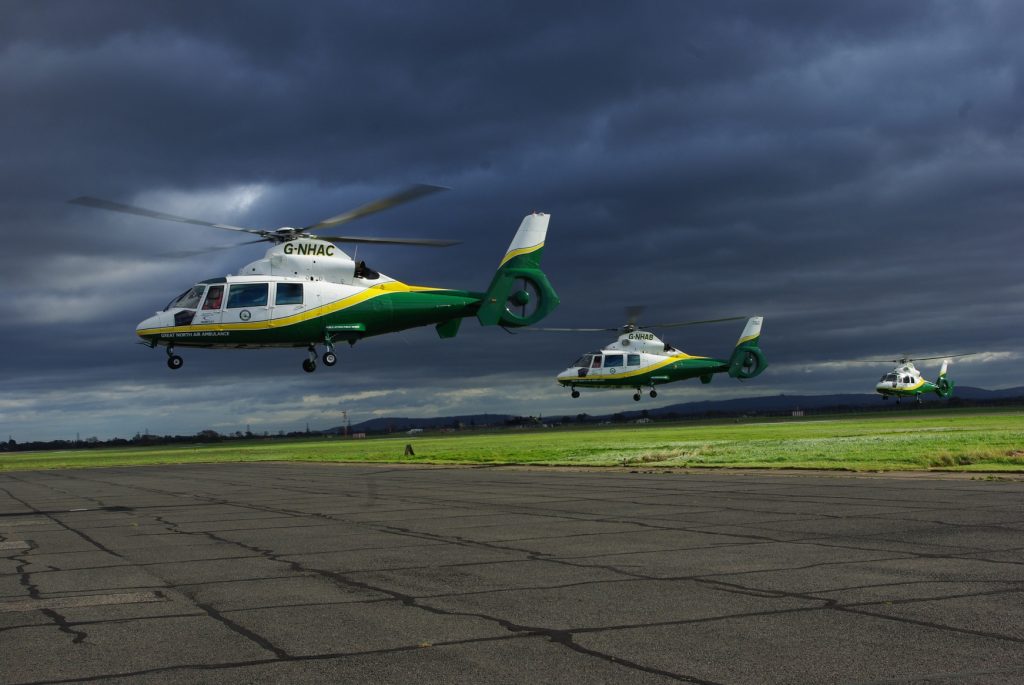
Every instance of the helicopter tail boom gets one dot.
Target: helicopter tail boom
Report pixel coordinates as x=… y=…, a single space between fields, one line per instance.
x=747 y=360
x=520 y=294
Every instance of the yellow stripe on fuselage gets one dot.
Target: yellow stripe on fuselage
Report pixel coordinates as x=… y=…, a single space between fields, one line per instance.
x=344 y=303
x=895 y=391
x=629 y=374
x=512 y=254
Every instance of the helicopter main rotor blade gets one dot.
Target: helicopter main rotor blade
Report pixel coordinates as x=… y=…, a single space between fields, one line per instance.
x=422 y=242
x=944 y=356
x=692 y=323
x=99 y=203
x=620 y=328
x=215 y=248
x=383 y=203
x=632 y=312
x=565 y=330
x=910 y=359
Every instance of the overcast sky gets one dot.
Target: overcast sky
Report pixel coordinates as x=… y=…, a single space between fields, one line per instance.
x=852 y=171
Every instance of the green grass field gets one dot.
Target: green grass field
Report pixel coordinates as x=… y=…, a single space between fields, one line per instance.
x=945 y=440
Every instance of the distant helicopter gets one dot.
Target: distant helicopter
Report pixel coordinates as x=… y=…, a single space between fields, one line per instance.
x=639 y=359
x=307 y=292
x=906 y=381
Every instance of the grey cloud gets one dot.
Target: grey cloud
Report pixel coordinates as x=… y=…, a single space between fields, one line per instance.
x=852 y=172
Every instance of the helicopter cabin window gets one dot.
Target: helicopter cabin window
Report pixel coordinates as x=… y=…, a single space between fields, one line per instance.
x=188 y=299
x=632 y=360
x=612 y=360
x=248 y=295
x=597 y=362
x=214 y=298
x=288 y=293
x=906 y=379
x=584 y=361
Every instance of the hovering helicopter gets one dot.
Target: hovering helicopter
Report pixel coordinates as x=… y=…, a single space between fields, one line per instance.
x=639 y=359
x=906 y=381
x=306 y=292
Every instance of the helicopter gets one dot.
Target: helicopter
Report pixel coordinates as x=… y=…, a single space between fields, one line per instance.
x=306 y=291
x=906 y=381
x=639 y=359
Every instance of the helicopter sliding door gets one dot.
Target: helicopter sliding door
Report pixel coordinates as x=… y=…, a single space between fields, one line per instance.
x=212 y=309
x=293 y=298
x=247 y=303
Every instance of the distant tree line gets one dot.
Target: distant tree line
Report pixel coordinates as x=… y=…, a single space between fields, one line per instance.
x=212 y=436
x=146 y=440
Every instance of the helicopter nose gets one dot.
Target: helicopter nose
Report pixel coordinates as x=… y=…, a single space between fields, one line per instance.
x=147 y=325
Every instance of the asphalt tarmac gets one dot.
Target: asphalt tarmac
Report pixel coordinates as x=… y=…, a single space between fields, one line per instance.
x=308 y=573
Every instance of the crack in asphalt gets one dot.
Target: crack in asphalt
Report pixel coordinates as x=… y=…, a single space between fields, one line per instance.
x=223 y=666
x=79 y=637
x=561 y=637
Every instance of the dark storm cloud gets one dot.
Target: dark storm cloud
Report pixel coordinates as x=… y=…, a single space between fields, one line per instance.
x=851 y=171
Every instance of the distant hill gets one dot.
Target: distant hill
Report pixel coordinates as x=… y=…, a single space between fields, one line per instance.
x=399 y=423
x=968 y=393
x=789 y=403
x=773 y=404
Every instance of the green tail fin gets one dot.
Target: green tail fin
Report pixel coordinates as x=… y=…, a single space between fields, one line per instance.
x=944 y=385
x=747 y=360
x=520 y=294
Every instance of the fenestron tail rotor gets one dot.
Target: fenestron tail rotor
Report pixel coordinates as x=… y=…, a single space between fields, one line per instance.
x=285 y=234
x=524 y=299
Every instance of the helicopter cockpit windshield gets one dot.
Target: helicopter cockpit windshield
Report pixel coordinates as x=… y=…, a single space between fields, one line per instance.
x=363 y=271
x=889 y=377
x=583 y=362
x=188 y=299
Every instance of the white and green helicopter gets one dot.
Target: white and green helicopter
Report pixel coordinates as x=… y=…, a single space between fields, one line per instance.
x=906 y=381
x=306 y=292
x=638 y=359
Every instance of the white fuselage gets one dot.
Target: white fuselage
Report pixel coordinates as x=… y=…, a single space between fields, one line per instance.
x=904 y=378
x=291 y=282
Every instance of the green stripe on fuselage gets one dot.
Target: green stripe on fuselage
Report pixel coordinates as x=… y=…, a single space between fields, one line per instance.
x=385 y=313
x=924 y=388
x=681 y=370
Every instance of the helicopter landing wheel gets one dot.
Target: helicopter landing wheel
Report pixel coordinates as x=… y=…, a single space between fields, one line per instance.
x=654 y=393
x=175 y=362
x=309 y=365
x=636 y=397
x=330 y=359
x=574 y=394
